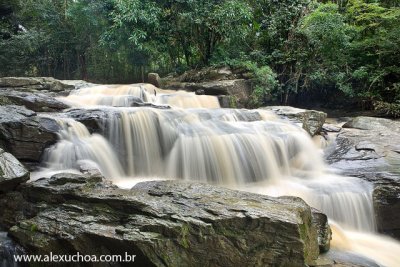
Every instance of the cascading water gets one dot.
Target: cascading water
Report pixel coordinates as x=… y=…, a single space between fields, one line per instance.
x=250 y=150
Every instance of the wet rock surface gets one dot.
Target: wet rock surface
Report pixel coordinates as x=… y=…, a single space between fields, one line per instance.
x=7 y=251
x=12 y=172
x=34 y=101
x=25 y=134
x=163 y=223
x=367 y=148
x=310 y=120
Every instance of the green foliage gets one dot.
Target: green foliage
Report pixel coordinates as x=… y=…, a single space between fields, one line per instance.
x=288 y=47
x=264 y=81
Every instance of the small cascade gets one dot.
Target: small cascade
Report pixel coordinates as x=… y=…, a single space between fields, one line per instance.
x=346 y=200
x=128 y=95
x=224 y=146
x=77 y=146
x=384 y=250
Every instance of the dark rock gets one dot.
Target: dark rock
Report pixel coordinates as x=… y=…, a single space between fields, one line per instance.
x=310 y=120
x=324 y=231
x=162 y=223
x=12 y=172
x=368 y=151
x=154 y=79
x=200 y=92
x=37 y=102
x=24 y=134
x=8 y=249
x=92 y=119
x=387 y=207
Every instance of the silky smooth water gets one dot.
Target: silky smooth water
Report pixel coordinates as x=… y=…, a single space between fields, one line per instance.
x=251 y=150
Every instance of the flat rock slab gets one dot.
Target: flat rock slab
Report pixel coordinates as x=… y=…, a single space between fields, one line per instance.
x=163 y=223
x=35 y=84
x=34 y=101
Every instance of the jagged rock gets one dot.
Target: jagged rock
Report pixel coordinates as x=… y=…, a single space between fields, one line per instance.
x=37 y=102
x=24 y=134
x=310 y=120
x=324 y=231
x=367 y=147
x=154 y=79
x=12 y=172
x=34 y=84
x=162 y=223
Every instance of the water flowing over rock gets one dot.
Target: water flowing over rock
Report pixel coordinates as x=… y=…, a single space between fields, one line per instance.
x=12 y=172
x=221 y=146
x=164 y=223
x=133 y=133
x=24 y=134
x=311 y=120
x=368 y=148
x=137 y=95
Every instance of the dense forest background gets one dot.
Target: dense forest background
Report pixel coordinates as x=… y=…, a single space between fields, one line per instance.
x=293 y=48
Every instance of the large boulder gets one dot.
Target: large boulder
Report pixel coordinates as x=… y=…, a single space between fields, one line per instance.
x=12 y=172
x=154 y=79
x=368 y=148
x=162 y=223
x=34 y=84
x=37 y=102
x=310 y=120
x=25 y=134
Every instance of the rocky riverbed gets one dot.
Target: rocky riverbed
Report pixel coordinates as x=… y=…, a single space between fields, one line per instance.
x=174 y=223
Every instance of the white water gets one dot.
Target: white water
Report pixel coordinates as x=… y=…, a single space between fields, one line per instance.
x=126 y=95
x=247 y=150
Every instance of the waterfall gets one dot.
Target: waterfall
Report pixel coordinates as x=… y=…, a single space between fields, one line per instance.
x=194 y=140
x=78 y=146
x=128 y=95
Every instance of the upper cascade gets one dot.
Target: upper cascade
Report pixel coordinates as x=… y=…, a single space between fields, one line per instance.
x=131 y=95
